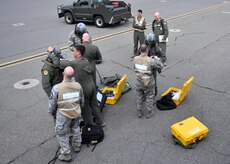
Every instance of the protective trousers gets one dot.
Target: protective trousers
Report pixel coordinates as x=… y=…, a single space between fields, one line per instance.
x=162 y=45
x=91 y=105
x=138 y=36
x=66 y=127
x=145 y=92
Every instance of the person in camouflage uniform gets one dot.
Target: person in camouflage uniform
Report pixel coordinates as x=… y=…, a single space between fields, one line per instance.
x=144 y=68
x=65 y=105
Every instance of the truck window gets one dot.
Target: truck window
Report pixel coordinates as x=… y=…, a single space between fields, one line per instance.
x=84 y=2
x=96 y=2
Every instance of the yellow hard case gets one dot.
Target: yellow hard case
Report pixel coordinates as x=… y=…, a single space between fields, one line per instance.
x=116 y=91
x=189 y=131
x=183 y=91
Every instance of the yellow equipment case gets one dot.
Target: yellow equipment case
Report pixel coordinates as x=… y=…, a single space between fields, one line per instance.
x=188 y=132
x=182 y=92
x=111 y=100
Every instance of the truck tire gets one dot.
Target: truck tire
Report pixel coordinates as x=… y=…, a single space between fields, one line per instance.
x=69 y=18
x=99 y=21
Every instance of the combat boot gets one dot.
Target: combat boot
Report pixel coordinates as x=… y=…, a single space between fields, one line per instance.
x=139 y=113
x=77 y=149
x=64 y=157
x=149 y=114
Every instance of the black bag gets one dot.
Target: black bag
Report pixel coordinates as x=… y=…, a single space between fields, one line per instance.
x=111 y=81
x=92 y=134
x=166 y=103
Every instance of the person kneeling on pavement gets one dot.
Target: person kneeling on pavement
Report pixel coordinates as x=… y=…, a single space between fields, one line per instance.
x=65 y=105
x=144 y=69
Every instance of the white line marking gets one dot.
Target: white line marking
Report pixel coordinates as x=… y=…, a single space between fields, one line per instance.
x=226 y=12
x=174 y=30
x=18 y=24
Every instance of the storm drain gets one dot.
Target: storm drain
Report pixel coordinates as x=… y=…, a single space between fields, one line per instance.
x=25 y=84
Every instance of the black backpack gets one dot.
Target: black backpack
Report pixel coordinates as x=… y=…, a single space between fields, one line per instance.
x=166 y=103
x=92 y=134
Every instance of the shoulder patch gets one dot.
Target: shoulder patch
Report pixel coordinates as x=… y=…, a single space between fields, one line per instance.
x=45 y=72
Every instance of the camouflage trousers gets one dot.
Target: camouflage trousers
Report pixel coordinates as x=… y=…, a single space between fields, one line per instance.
x=145 y=93
x=65 y=128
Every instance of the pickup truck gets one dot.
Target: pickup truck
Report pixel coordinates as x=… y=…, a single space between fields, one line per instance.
x=101 y=12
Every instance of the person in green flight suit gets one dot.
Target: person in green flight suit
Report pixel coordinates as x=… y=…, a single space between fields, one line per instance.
x=51 y=74
x=153 y=48
x=92 y=53
x=139 y=25
x=160 y=29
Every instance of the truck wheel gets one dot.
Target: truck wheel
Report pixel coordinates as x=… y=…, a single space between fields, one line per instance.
x=69 y=18
x=99 y=21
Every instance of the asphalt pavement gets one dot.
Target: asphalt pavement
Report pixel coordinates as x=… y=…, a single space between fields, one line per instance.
x=198 y=46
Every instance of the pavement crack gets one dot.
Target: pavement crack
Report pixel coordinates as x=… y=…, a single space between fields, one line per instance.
x=220 y=153
x=13 y=160
x=193 y=33
x=218 y=39
x=198 y=85
x=121 y=65
x=204 y=87
x=208 y=88
x=207 y=46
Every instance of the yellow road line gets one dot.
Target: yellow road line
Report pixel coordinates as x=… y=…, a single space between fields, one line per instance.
x=40 y=55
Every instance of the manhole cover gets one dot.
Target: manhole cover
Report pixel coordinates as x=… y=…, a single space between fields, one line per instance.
x=174 y=30
x=25 y=84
